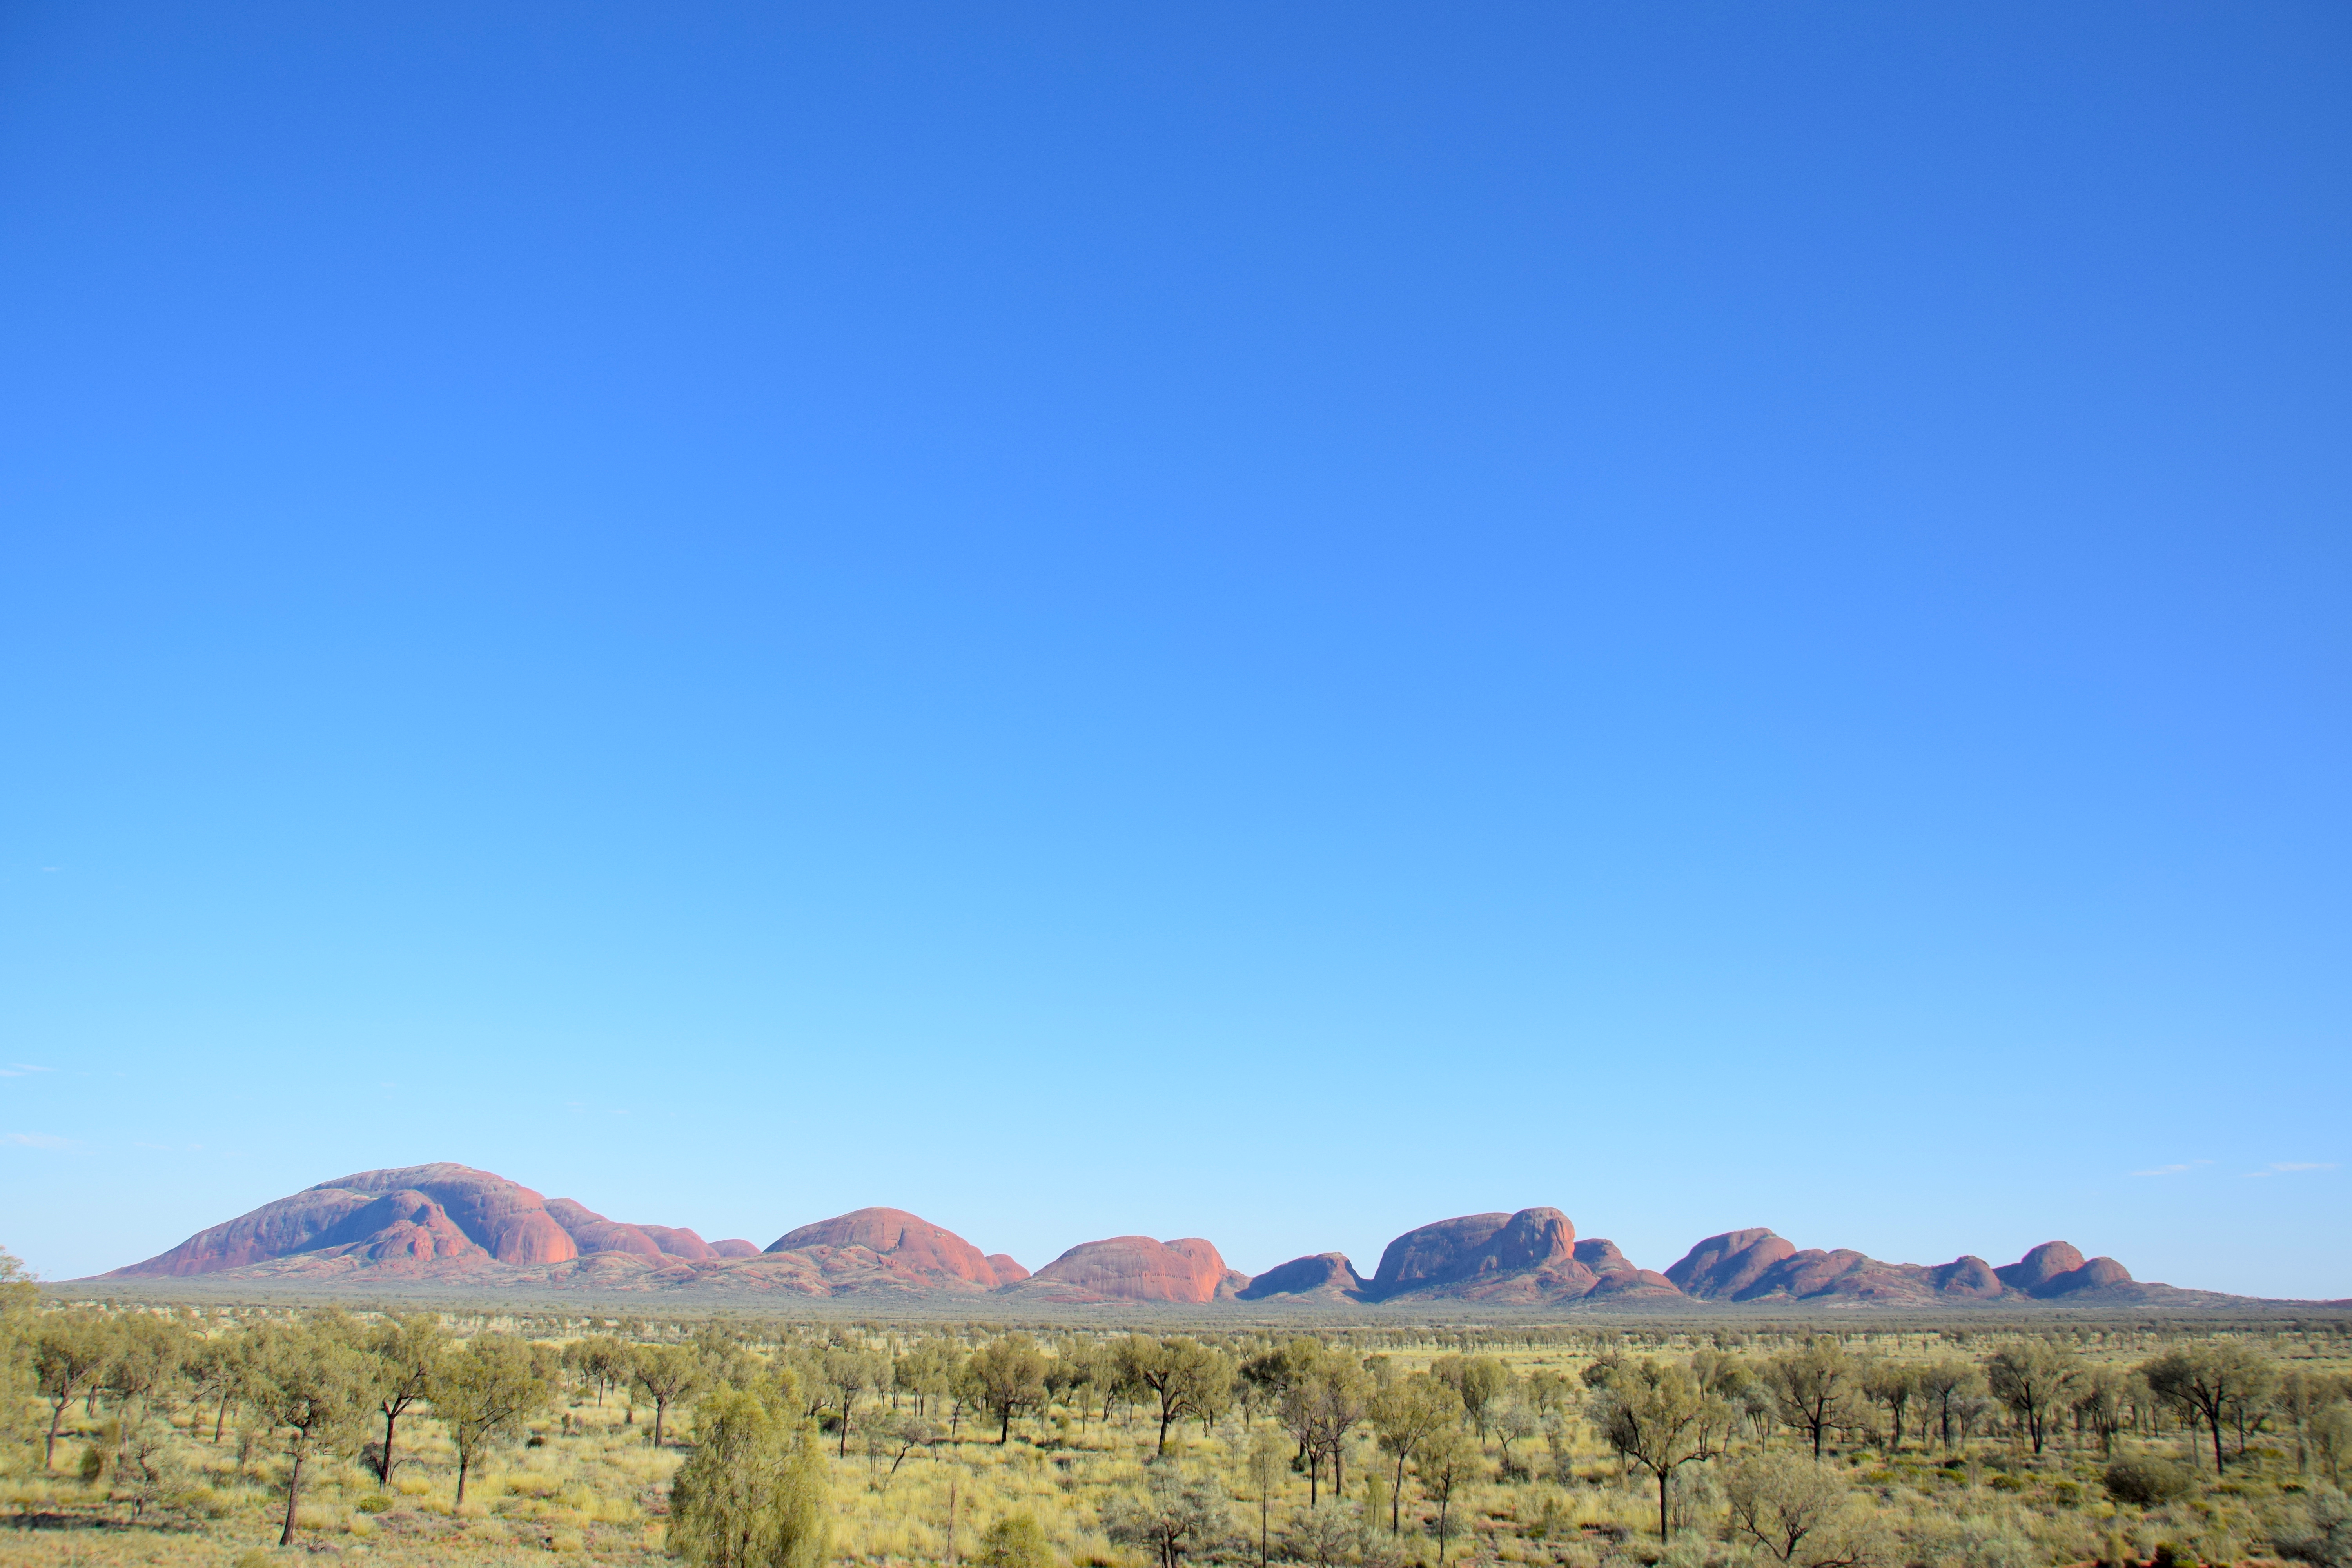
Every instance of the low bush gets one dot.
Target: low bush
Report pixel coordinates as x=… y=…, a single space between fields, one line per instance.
x=2146 y=1483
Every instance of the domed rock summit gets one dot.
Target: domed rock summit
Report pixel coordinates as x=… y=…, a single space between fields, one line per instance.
x=910 y=1244
x=1758 y=1266
x=1136 y=1268
x=1529 y=1258
x=449 y=1230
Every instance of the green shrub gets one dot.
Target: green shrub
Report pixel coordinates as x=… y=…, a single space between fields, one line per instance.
x=1017 y=1541
x=2145 y=1483
x=199 y=1499
x=374 y=1502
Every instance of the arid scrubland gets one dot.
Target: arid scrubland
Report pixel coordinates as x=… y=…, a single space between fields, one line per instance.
x=213 y=1435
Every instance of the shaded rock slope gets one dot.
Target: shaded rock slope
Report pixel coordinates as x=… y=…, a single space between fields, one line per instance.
x=1323 y=1277
x=452 y=1227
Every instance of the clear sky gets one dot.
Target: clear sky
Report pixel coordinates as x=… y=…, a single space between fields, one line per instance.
x=1261 y=622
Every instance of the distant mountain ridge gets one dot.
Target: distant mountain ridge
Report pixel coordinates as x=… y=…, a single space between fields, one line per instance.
x=454 y=1227
x=1756 y=1265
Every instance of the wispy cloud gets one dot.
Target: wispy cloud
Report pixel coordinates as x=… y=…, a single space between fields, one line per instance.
x=2173 y=1170
x=19 y=1069
x=2291 y=1167
x=36 y=1141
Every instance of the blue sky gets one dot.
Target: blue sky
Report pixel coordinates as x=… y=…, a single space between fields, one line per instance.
x=1265 y=623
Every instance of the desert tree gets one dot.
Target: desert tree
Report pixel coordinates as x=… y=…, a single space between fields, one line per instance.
x=894 y=1435
x=1892 y=1385
x=1004 y=1378
x=1174 y=1514
x=2210 y=1379
x=1185 y=1376
x=209 y=1370
x=1733 y=1380
x=311 y=1387
x=1814 y=1386
x=1270 y=1373
x=806 y=1364
x=668 y=1376
x=2331 y=1437
x=603 y=1362
x=1550 y=1390
x=1655 y=1415
x=1266 y=1467
x=484 y=1392
x=149 y=1465
x=1515 y=1422
x=1974 y=1411
x=1447 y=1463
x=726 y=1358
x=1479 y=1380
x=1558 y=1434
x=1403 y=1416
x=148 y=1352
x=407 y=1354
x=1485 y=1383
x=755 y=1493
x=1799 y=1510
x=71 y=1351
x=2034 y=1379
x=1323 y=1534
x=1068 y=1376
x=2100 y=1402
x=848 y=1373
x=1324 y=1402
x=2251 y=1406
x=1945 y=1383
x=20 y=1301
x=926 y=1370
x=2300 y=1394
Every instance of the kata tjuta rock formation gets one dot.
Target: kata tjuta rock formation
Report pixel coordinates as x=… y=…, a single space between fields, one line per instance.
x=1531 y=1255
x=1323 y=1277
x=419 y=1214
x=449 y=1228
x=453 y=1225
x=1531 y=1258
x=1758 y=1266
x=1137 y=1269
x=911 y=1243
